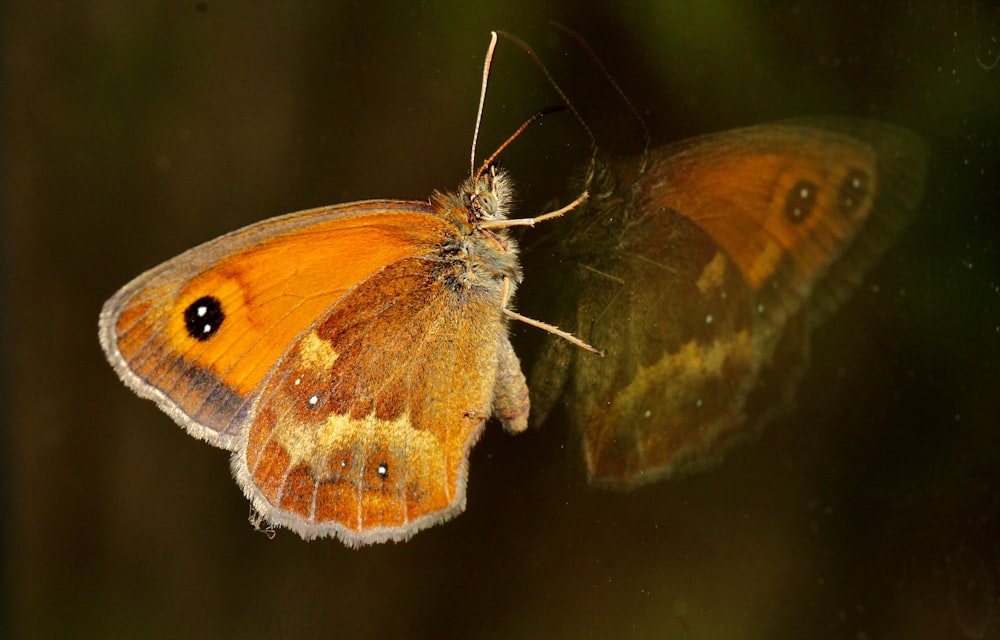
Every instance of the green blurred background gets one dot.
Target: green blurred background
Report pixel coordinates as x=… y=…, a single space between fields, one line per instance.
x=135 y=130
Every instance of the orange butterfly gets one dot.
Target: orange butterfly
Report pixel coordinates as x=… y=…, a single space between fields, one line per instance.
x=349 y=356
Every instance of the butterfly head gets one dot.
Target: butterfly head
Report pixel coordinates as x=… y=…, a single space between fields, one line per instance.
x=488 y=195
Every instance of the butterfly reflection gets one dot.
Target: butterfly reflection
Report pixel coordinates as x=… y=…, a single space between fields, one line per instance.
x=701 y=268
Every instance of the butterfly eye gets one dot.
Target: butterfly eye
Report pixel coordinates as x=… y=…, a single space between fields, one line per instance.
x=487 y=204
x=203 y=318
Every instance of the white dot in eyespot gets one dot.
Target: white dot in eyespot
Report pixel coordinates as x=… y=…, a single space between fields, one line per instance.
x=647 y=414
x=313 y=400
x=383 y=469
x=804 y=192
x=760 y=308
x=297 y=382
x=708 y=319
x=207 y=329
x=698 y=403
x=201 y=311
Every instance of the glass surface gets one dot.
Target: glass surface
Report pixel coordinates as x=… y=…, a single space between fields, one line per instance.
x=134 y=131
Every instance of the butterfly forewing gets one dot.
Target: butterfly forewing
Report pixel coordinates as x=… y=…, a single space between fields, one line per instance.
x=200 y=332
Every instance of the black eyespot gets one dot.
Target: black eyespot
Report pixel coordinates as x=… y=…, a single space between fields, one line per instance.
x=204 y=317
x=801 y=200
x=854 y=191
x=382 y=470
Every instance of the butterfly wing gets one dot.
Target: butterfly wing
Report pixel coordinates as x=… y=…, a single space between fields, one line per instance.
x=349 y=357
x=373 y=446
x=199 y=333
x=703 y=271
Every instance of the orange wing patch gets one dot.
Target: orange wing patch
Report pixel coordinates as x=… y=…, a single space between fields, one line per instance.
x=200 y=333
x=765 y=196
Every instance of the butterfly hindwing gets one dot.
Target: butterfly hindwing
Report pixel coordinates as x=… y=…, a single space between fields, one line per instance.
x=375 y=446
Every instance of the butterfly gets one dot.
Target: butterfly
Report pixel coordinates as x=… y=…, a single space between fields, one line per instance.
x=702 y=267
x=348 y=356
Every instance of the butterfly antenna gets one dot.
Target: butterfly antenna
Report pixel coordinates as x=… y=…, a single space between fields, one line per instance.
x=610 y=78
x=533 y=119
x=552 y=81
x=562 y=94
x=482 y=97
x=538 y=115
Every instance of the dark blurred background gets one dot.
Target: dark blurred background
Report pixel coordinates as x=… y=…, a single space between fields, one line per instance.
x=135 y=130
